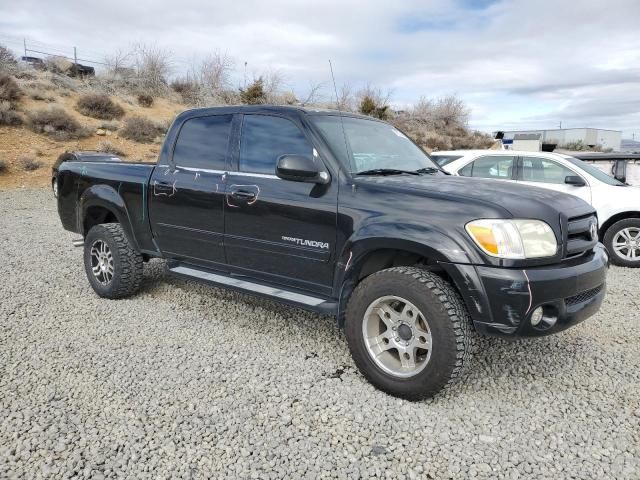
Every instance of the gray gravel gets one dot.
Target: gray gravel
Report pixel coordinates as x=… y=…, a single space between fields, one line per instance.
x=186 y=381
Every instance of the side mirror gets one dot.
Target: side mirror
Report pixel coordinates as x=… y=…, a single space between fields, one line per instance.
x=574 y=180
x=300 y=168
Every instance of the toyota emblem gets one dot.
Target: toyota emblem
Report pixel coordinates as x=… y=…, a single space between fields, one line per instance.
x=594 y=230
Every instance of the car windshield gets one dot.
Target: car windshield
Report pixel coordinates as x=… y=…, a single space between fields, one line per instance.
x=443 y=160
x=593 y=171
x=371 y=145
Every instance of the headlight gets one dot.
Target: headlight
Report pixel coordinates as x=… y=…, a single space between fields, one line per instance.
x=513 y=238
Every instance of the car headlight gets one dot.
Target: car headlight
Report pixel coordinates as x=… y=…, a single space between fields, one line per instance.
x=516 y=239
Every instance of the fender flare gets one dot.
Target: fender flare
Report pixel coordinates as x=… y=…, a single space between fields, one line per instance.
x=421 y=240
x=106 y=197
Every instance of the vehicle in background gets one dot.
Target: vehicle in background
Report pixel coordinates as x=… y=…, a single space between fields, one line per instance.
x=344 y=215
x=617 y=204
x=624 y=167
x=35 y=62
x=79 y=156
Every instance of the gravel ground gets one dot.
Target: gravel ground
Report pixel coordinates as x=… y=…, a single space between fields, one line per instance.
x=186 y=381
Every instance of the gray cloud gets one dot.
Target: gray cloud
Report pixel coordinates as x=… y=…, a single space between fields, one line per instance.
x=515 y=62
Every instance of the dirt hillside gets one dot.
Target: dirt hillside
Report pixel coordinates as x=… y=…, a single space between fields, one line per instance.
x=19 y=142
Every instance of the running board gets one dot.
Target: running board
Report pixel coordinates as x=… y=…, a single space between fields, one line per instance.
x=290 y=297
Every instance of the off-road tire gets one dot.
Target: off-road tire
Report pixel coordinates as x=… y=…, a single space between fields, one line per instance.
x=448 y=319
x=127 y=262
x=609 y=236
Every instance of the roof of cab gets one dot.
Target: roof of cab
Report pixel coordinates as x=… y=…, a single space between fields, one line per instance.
x=282 y=109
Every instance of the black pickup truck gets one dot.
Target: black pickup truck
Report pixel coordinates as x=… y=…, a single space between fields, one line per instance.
x=343 y=215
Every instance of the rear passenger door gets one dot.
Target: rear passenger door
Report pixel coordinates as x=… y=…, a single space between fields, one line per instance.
x=279 y=231
x=186 y=199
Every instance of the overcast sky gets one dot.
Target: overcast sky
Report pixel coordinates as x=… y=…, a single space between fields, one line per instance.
x=517 y=64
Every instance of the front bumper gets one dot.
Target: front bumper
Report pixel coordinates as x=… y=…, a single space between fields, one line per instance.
x=502 y=300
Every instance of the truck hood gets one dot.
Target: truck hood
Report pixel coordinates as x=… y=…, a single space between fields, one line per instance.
x=515 y=200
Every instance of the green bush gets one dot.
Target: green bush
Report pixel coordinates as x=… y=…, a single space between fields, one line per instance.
x=99 y=106
x=254 y=94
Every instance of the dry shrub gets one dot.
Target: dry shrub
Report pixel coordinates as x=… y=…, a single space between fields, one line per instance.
x=7 y=59
x=99 y=106
x=4 y=166
x=29 y=164
x=9 y=89
x=36 y=93
x=140 y=129
x=108 y=147
x=56 y=123
x=145 y=100
x=8 y=116
x=111 y=125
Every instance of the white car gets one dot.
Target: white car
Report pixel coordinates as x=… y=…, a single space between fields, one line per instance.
x=617 y=204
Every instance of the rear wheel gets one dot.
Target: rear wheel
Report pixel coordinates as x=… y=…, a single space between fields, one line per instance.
x=622 y=240
x=408 y=331
x=113 y=266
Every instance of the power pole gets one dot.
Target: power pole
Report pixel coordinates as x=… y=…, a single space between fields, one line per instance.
x=25 y=46
x=560 y=124
x=75 y=61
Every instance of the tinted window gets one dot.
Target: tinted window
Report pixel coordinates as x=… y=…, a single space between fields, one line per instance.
x=593 y=170
x=541 y=170
x=265 y=138
x=491 y=166
x=202 y=143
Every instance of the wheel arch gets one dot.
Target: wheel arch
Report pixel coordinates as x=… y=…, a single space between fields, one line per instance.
x=103 y=204
x=367 y=256
x=616 y=218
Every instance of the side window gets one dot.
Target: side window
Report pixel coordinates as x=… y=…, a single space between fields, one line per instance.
x=202 y=143
x=535 y=169
x=491 y=166
x=265 y=138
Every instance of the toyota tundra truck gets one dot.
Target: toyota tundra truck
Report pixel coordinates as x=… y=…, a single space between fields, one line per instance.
x=343 y=215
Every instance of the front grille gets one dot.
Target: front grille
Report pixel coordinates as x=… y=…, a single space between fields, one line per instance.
x=583 y=297
x=579 y=235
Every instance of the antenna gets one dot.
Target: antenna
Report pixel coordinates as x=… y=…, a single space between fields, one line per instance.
x=344 y=132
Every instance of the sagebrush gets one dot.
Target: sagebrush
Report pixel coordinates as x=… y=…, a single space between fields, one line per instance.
x=56 y=123
x=140 y=129
x=29 y=163
x=99 y=106
x=8 y=116
x=9 y=89
x=108 y=147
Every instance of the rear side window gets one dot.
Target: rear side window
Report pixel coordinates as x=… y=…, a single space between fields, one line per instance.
x=266 y=138
x=491 y=166
x=542 y=170
x=202 y=143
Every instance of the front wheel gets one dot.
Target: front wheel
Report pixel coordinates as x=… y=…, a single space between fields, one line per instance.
x=408 y=331
x=622 y=240
x=113 y=266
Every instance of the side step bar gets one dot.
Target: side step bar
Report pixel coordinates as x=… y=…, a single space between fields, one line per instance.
x=290 y=297
x=78 y=242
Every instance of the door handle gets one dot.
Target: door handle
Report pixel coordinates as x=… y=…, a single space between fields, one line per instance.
x=164 y=189
x=243 y=195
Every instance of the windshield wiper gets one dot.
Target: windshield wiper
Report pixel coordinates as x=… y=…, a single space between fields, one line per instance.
x=429 y=170
x=387 y=171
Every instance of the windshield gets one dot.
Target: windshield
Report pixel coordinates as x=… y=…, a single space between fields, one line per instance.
x=371 y=145
x=593 y=171
x=443 y=160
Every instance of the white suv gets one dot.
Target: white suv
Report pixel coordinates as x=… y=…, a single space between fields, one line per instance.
x=617 y=204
